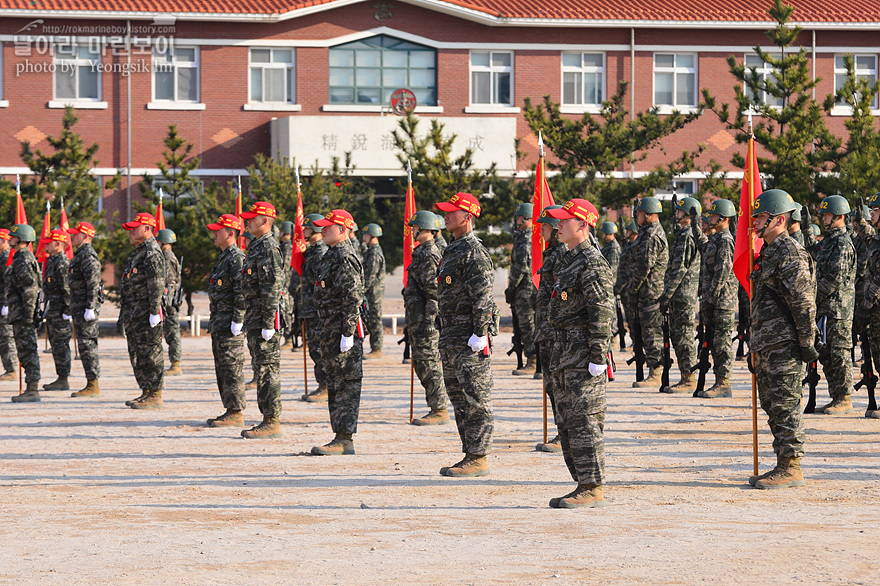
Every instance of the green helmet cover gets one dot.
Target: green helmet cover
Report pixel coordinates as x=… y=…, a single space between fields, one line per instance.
x=24 y=232
x=774 y=202
x=166 y=236
x=424 y=220
x=545 y=218
x=609 y=227
x=834 y=204
x=374 y=230
x=309 y=221
x=686 y=204
x=286 y=227
x=723 y=207
x=650 y=205
x=525 y=210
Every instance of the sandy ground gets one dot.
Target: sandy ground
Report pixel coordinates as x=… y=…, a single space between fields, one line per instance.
x=95 y=493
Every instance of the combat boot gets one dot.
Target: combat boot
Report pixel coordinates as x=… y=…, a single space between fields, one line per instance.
x=406 y=361
x=585 y=496
x=787 y=475
x=30 y=395
x=469 y=466
x=872 y=413
x=687 y=384
x=318 y=396
x=433 y=418
x=554 y=502
x=90 y=390
x=231 y=418
x=529 y=368
x=538 y=375
x=342 y=445
x=60 y=384
x=653 y=380
x=268 y=428
x=553 y=445
x=838 y=406
x=288 y=344
x=175 y=369
x=140 y=397
x=720 y=390
x=251 y=384
x=373 y=354
x=9 y=375
x=151 y=400
x=753 y=480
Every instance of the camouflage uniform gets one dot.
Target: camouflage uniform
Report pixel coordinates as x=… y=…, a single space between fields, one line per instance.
x=680 y=285
x=545 y=335
x=720 y=299
x=285 y=248
x=143 y=283
x=7 y=343
x=440 y=242
x=338 y=295
x=86 y=292
x=56 y=292
x=171 y=325
x=312 y=259
x=22 y=291
x=227 y=306
x=862 y=243
x=262 y=274
x=611 y=251
x=374 y=288
x=581 y=309
x=650 y=257
x=621 y=284
x=521 y=288
x=466 y=278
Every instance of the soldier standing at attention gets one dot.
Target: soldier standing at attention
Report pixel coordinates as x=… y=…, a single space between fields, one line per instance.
x=56 y=292
x=262 y=276
x=315 y=251
x=650 y=257
x=285 y=247
x=624 y=270
x=610 y=248
x=7 y=342
x=794 y=227
x=171 y=317
x=783 y=334
x=22 y=292
x=870 y=309
x=374 y=287
x=466 y=309
x=520 y=292
x=679 y=296
x=227 y=321
x=140 y=311
x=338 y=295
x=581 y=309
x=86 y=296
x=420 y=301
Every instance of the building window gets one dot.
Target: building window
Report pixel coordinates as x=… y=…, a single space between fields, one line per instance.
x=583 y=78
x=492 y=77
x=273 y=76
x=77 y=78
x=675 y=79
x=865 y=69
x=176 y=74
x=767 y=73
x=369 y=71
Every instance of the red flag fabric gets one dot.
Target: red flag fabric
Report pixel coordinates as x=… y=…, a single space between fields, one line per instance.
x=41 y=248
x=409 y=210
x=541 y=199
x=297 y=257
x=64 y=226
x=20 y=218
x=160 y=216
x=747 y=245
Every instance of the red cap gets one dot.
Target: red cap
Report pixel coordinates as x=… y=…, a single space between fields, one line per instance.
x=341 y=217
x=260 y=208
x=55 y=236
x=4 y=234
x=460 y=201
x=227 y=221
x=576 y=208
x=141 y=219
x=83 y=228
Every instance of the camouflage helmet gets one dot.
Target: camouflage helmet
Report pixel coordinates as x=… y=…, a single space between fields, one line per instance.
x=23 y=232
x=609 y=227
x=815 y=229
x=686 y=204
x=723 y=207
x=286 y=227
x=633 y=227
x=796 y=214
x=546 y=218
x=439 y=222
x=774 y=202
x=424 y=220
x=835 y=205
x=309 y=221
x=166 y=236
x=525 y=210
x=866 y=211
x=374 y=230
x=649 y=205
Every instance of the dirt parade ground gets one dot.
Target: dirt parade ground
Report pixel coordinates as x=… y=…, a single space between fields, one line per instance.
x=96 y=493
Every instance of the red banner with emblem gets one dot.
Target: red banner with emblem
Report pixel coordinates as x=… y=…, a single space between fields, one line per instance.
x=747 y=245
x=299 y=241
x=409 y=210
x=541 y=199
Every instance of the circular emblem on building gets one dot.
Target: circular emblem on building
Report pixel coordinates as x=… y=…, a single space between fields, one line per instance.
x=403 y=101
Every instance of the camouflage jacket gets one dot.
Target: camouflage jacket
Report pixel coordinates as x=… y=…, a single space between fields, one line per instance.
x=143 y=282
x=798 y=236
x=285 y=249
x=582 y=307
x=552 y=257
x=440 y=242
x=650 y=257
x=22 y=287
x=835 y=275
x=225 y=295
x=56 y=290
x=719 y=283
x=872 y=274
x=172 y=278
x=261 y=275
x=682 y=278
x=783 y=297
x=465 y=280
x=611 y=252
x=521 y=259
x=311 y=265
x=339 y=291
x=624 y=269
x=862 y=243
x=420 y=293
x=85 y=280
x=374 y=272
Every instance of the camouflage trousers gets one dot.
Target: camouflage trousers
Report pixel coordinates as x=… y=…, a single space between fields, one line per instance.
x=468 y=377
x=545 y=352
x=630 y=312
x=59 y=330
x=87 y=343
x=266 y=357
x=681 y=332
x=652 y=329
x=836 y=358
x=252 y=351
x=779 y=373
x=315 y=348
x=145 y=354
x=374 y=323
x=426 y=363
x=724 y=324
x=229 y=368
x=26 y=344
x=171 y=329
x=524 y=306
x=344 y=373
x=8 y=352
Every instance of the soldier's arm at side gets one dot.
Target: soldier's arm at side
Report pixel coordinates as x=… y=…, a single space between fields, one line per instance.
x=271 y=274
x=155 y=268
x=235 y=266
x=348 y=282
x=794 y=275
x=64 y=278
x=597 y=286
x=91 y=271
x=28 y=279
x=427 y=282
x=840 y=259
x=723 y=269
x=480 y=279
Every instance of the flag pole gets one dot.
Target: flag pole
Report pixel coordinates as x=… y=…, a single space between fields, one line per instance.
x=412 y=360
x=303 y=322
x=543 y=383
x=751 y=265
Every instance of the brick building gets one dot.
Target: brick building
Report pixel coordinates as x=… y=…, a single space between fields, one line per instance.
x=312 y=78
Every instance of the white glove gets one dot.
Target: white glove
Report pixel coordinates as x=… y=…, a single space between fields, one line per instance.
x=267 y=334
x=65 y=316
x=89 y=315
x=346 y=343
x=155 y=320
x=477 y=344
x=596 y=369
x=5 y=311
x=235 y=328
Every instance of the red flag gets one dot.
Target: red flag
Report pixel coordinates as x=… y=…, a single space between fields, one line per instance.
x=409 y=210
x=47 y=229
x=64 y=226
x=238 y=212
x=160 y=214
x=541 y=199
x=747 y=245
x=20 y=216
x=299 y=240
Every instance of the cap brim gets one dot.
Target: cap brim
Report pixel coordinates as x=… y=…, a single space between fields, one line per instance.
x=215 y=227
x=73 y=231
x=445 y=206
x=322 y=223
x=131 y=225
x=560 y=214
x=249 y=215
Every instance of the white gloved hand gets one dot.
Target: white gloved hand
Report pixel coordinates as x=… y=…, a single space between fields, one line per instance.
x=267 y=334
x=346 y=343
x=89 y=315
x=5 y=311
x=477 y=344
x=65 y=317
x=596 y=369
x=235 y=328
x=155 y=320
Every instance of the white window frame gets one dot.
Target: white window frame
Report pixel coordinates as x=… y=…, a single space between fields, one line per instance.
x=842 y=108
x=290 y=76
x=764 y=70
x=480 y=107
x=3 y=103
x=160 y=60
x=583 y=106
x=59 y=69
x=675 y=70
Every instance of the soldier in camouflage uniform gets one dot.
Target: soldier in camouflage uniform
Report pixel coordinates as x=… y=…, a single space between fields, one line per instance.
x=22 y=291
x=374 y=287
x=171 y=317
x=650 y=257
x=624 y=270
x=520 y=292
x=869 y=310
x=357 y=245
x=794 y=227
x=610 y=248
x=467 y=320
x=86 y=296
x=863 y=232
x=581 y=309
x=140 y=312
x=338 y=295
x=285 y=247
x=315 y=251
x=7 y=342
x=227 y=321
x=679 y=296
x=295 y=301
x=783 y=334
x=420 y=301
x=262 y=276
x=56 y=293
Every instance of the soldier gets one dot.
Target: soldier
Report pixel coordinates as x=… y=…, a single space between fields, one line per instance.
x=870 y=309
x=338 y=295
x=171 y=321
x=650 y=257
x=357 y=245
x=420 y=301
x=315 y=251
x=227 y=321
x=22 y=291
x=794 y=227
x=374 y=287
x=262 y=276
x=439 y=241
x=140 y=311
x=679 y=296
x=467 y=321
x=56 y=293
x=285 y=246
x=86 y=296
x=610 y=249
x=7 y=343
x=863 y=234
x=621 y=284
x=581 y=309
x=520 y=292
